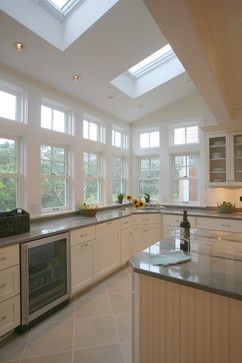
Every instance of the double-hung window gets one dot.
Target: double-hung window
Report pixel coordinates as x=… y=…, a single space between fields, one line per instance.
x=148 y=140
x=119 y=173
x=149 y=176
x=185 y=178
x=54 y=177
x=55 y=118
x=91 y=177
x=11 y=102
x=119 y=138
x=9 y=175
x=185 y=135
x=93 y=130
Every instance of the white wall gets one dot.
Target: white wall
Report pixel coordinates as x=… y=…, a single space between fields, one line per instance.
x=33 y=135
x=190 y=109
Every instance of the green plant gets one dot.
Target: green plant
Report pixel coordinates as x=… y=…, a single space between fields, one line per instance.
x=147 y=197
x=120 y=198
x=226 y=205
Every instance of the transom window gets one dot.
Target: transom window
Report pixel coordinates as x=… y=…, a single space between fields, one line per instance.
x=185 y=178
x=185 y=135
x=93 y=131
x=91 y=177
x=54 y=118
x=149 y=139
x=119 y=176
x=119 y=138
x=54 y=178
x=9 y=176
x=11 y=102
x=149 y=176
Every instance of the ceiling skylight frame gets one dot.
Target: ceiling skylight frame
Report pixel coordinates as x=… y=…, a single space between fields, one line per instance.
x=133 y=75
x=60 y=13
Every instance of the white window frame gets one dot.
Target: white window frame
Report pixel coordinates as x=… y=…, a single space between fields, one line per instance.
x=60 y=14
x=66 y=177
x=147 y=131
x=98 y=178
x=124 y=175
x=147 y=178
x=58 y=107
x=184 y=125
x=101 y=132
x=18 y=175
x=172 y=178
x=21 y=101
x=124 y=137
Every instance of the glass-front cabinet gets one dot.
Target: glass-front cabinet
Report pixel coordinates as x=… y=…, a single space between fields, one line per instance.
x=225 y=159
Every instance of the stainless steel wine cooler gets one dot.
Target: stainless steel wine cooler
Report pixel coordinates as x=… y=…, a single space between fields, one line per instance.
x=45 y=276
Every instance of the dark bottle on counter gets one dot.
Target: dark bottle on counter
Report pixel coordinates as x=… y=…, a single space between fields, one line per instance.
x=185 y=226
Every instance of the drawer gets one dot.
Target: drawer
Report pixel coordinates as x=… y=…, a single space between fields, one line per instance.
x=9 y=282
x=125 y=223
x=83 y=235
x=218 y=224
x=146 y=218
x=9 y=256
x=175 y=220
x=9 y=314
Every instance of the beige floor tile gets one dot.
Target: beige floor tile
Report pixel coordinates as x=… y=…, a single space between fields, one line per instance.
x=127 y=351
x=99 y=289
x=12 y=347
x=50 y=337
x=121 y=303
x=65 y=357
x=119 y=284
x=92 y=306
x=67 y=313
x=91 y=332
x=123 y=324
x=105 y=354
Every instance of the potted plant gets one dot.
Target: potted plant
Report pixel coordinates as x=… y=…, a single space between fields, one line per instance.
x=226 y=207
x=147 y=197
x=120 y=198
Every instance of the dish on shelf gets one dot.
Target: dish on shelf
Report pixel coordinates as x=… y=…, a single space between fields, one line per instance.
x=218 y=143
x=219 y=170
x=217 y=180
x=218 y=156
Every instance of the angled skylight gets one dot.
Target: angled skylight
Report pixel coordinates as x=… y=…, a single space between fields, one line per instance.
x=151 y=62
x=60 y=8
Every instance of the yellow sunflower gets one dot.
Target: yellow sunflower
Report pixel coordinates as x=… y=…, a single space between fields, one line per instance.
x=129 y=197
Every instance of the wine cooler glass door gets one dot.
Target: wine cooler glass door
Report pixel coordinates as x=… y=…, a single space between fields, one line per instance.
x=47 y=274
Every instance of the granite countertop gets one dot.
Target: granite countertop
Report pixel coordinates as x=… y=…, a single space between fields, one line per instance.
x=216 y=264
x=53 y=225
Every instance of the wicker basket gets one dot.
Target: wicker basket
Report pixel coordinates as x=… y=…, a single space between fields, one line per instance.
x=89 y=212
x=14 y=222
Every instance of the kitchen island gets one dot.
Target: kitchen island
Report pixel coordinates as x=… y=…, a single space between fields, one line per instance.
x=189 y=312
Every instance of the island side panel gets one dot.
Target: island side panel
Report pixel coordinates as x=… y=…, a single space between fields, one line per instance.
x=186 y=325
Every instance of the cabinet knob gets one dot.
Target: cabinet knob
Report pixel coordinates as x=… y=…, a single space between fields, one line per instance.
x=2 y=286
x=3 y=318
x=3 y=258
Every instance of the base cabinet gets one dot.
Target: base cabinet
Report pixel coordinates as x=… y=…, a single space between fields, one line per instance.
x=125 y=244
x=9 y=314
x=81 y=265
x=106 y=252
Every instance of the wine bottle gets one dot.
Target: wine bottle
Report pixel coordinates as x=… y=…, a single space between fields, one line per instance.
x=185 y=226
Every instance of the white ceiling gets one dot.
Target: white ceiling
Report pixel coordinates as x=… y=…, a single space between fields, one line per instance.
x=125 y=35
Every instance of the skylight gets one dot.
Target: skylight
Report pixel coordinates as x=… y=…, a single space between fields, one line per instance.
x=61 y=8
x=151 y=62
x=59 y=3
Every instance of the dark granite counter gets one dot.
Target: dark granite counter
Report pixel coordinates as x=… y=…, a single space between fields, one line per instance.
x=216 y=264
x=53 y=225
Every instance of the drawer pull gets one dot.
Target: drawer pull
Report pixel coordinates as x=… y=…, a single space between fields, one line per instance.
x=84 y=245
x=225 y=225
x=3 y=318
x=2 y=286
x=126 y=222
x=3 y=258
x=84 y=235
x=109 y=222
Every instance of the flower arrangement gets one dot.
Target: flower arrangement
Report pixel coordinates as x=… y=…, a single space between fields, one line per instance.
x=137 y=202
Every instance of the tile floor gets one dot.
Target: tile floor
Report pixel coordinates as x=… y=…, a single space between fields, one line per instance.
x=94 y=328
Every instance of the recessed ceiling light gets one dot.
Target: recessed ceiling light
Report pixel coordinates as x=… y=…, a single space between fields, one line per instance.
x=76 y=77
x=19 y=46
x=140 y=105
x=110 y=98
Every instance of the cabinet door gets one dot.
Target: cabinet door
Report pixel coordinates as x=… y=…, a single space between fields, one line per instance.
x=81 y=265
x=107 y=249
x=125 y=244
x=218 y=159
x=139 y=233
x=236 y=159
x=9 y=314
x=153 y=234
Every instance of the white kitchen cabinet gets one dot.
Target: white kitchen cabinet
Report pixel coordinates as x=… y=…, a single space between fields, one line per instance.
x=81 y=265
x=125 y=239
x=106 y=252
x=9 y=282
x=146 y=230
x=9 y=314
x=224 y=159
x=219 y=224
x=171 y=222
